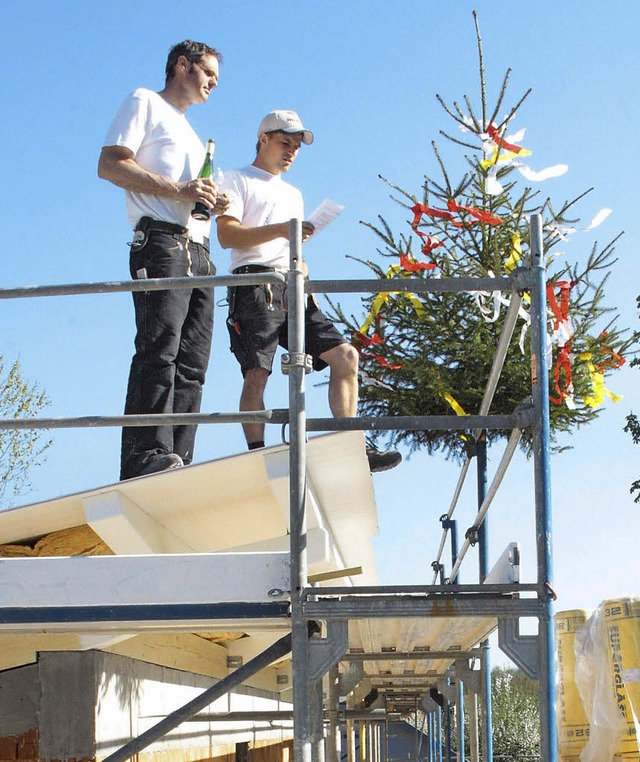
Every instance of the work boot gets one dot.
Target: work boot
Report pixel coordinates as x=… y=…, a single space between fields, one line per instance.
x=161 y=463
x=382 y=460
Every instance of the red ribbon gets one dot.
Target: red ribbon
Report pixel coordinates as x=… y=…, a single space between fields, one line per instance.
x=414 y=267
x=384 y=363
x=479 y=214
x=420 y=209
x=359 y=340
x=563 y=365
x=495 y=136
x=560 y=310
x=616 y=360
x=429 y=243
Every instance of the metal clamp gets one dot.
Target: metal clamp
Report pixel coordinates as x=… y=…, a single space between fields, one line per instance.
x=525 y=414
x=296 y=360
x=521 y=279
x=473 y=535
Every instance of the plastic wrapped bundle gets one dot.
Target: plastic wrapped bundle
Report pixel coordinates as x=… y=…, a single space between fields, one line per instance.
x=607 y=669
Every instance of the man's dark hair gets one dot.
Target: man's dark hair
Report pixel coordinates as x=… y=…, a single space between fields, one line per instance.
x=271 y=132
x=194 y=52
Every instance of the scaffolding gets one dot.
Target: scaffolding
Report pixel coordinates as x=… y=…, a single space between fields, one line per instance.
x=317 y=651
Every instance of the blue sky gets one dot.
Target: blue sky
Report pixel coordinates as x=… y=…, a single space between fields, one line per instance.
x=364 y=77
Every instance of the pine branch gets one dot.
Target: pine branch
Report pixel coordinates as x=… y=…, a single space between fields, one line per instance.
x=457 y=140
x=483 y=87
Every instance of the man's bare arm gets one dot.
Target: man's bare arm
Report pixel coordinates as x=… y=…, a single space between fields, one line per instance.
x=232 y=234
x=118 y=166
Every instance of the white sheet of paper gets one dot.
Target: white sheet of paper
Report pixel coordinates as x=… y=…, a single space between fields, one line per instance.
x=321 y=216
x=325 y=214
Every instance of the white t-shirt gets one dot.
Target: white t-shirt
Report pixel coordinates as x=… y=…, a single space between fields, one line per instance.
x=259 y=198
x=162 y=141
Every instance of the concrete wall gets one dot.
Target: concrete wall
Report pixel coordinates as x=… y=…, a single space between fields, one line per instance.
x=19 y=700
x=85 y=705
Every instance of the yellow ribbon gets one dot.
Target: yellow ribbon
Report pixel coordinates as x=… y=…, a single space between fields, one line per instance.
x=383 y=297
x=457 y=407
x=597 y=385
x=377 y=304
x=516 y=254
x=504 y=156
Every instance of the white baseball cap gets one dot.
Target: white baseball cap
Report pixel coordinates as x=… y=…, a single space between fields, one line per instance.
x=285 y=121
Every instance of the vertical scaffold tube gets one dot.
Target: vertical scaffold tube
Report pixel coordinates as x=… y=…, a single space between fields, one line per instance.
x=448 y=723
x=431 y=737
x=302 y=736
x=483 y=562
x=334 y=724
x=460 y=719
x=542 y=471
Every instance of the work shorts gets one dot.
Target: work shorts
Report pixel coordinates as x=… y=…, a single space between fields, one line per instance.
x=257 y=325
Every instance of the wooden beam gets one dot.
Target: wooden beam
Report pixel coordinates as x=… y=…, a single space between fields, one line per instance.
x=148 y=586
x=126 y=528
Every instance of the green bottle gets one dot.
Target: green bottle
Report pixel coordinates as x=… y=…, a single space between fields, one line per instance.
x=201 y=211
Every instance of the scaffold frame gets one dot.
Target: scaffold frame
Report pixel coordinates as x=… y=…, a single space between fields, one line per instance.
x=314 y=657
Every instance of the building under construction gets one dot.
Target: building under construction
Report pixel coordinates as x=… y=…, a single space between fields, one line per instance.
x=231 y=610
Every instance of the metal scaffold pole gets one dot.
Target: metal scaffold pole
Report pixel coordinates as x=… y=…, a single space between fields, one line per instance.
x=294 y=364
x=542 y=457
x=483 y=558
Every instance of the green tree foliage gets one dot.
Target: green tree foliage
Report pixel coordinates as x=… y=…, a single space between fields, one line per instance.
x=516 y=713
x=20 y=449
x=430 y=354
x=515 y=710
x=633 y=423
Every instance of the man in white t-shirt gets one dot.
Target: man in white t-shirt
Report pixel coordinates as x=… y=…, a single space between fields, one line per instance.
x=152 y=152
x=255 y=227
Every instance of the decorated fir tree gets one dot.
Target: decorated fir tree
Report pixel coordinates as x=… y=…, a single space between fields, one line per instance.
x=430 y=354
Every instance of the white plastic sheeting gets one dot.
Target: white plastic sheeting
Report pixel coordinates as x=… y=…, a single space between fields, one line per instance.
x=607 y=675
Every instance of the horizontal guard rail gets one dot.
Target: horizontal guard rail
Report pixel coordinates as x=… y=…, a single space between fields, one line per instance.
x=443 y=591
x=418 y=285
x=389 y=607
x=413 y=285
x=168 y=419
x=520 y=419
x=144 y=284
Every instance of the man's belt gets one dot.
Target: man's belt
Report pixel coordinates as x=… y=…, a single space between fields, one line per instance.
x=244 y=269
x=148 y=224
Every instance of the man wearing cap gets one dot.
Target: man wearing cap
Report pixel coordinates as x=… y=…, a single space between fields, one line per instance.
x=255 y=227
x=153 y=153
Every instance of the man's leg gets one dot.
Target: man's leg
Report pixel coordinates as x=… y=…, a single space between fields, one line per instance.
x=159 y=319
x=343 y=399
x=343 y=380
x=193 y=357
x=256 y=316
x=252 y=398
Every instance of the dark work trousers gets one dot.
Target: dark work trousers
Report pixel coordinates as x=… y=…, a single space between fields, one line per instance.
x=173 y=343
